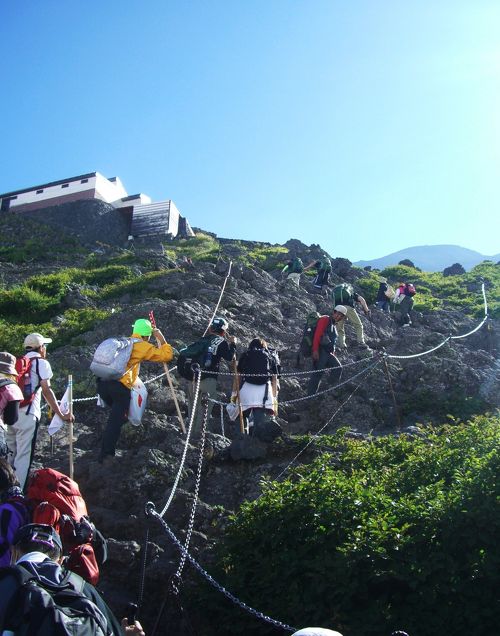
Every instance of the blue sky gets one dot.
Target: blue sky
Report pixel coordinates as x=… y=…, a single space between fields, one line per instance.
x=364 y=126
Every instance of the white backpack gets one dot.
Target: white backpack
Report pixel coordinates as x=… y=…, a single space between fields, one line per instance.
x=111 y=358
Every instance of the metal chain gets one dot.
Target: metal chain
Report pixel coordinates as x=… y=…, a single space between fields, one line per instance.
x=142 y=578
x=184 y=453
x=150 y=511
x=176 y=581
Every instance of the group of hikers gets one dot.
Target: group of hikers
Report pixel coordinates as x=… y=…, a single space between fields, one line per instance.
x=35 y=549
x=401 y=297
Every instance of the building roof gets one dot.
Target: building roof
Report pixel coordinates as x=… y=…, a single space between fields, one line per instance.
x=48 y=185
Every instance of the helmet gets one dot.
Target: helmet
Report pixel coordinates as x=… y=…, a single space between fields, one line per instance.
x=142 y=327
x=219 y=324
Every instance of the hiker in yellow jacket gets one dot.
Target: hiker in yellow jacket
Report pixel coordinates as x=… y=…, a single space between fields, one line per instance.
x=116 y=393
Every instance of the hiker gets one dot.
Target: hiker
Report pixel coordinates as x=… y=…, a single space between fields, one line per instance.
x=259 y=370
x=384 y=294
x=345 y=295
x=37 y=555
x=34 y=372
x=293 y=269
x=116 y=393
x=13 y=510
x=323 y=267
x=323 y=348
x=216 y=345
x=10 y=397
x=404 y=302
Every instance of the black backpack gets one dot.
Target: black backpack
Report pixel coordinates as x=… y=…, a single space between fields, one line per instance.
x=40 y=608
x=258 y=364
x=197 y=353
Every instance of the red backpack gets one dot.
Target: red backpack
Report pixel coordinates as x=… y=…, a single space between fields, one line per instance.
x=56 y=500
x=23 y=368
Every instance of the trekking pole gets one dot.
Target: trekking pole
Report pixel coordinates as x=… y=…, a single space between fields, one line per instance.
x=70 y=400
x=396 y=408
x=169 y=379
x=236 y=389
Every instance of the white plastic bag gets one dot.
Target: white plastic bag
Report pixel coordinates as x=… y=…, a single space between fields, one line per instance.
x=138 y=399
x=233 y=410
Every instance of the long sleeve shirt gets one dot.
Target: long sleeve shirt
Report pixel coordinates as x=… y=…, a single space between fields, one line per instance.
x=143 y=351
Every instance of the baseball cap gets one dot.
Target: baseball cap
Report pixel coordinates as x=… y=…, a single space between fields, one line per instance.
x=38 y=533
x=142 y=327
x=219 y=324
x=341 y=309
x=7 y=363
x=35 y=340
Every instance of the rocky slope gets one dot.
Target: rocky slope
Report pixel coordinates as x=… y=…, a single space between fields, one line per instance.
x=459 y=378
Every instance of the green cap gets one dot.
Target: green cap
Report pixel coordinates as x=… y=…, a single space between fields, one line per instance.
x=142 y=327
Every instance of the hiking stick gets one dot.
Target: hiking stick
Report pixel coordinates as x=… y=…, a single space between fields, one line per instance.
x=396 y=408
x=274 y=388
x=236 y=389
x=169 y=379
x=70 y=400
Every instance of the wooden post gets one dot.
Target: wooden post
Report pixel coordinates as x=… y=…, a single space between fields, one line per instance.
x=70 y=400
x=236 y=389
x=396 y=408
x=177 y=407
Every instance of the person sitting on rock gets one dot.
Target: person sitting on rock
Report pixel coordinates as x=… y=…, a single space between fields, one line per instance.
x=323 y=348
x=116 y=393
x=37 y=553
x=259 y=369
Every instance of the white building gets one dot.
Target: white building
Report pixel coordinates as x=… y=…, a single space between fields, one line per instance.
x=162 y=218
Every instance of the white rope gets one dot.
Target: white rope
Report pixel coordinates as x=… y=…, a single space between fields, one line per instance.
x=220 y=298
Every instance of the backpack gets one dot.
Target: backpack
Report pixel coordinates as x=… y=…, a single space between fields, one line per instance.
x=200 y=352
x=325 y=265
x=306 y=342
x=296 y=266
x=258 y=364
x=343 y=294
x=23 y=368
x=57 y=501
x=409 y=289
x=111 y=358
x=41 y=608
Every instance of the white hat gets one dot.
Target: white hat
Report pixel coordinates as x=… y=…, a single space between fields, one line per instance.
x=341 y=309
x=35 y=341
x=316 y=631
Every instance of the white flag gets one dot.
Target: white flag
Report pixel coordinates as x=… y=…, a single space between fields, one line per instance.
x=57 y=423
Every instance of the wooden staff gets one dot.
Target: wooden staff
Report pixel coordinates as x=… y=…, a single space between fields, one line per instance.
x=70 y=400
x=236 y=389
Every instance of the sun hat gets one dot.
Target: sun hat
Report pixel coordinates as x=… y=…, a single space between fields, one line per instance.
x=142 y=327
x=39 y=533
x=35 y=341
x=341 y=309
x=7 y=363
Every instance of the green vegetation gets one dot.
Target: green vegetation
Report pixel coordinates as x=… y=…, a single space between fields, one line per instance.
x=201 y=247
x=373 y=536
x=435 y=291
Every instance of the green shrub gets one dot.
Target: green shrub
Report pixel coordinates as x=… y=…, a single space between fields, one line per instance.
x=382 y=534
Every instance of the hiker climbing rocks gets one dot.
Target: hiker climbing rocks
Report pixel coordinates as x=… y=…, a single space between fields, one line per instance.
x=207 y=353
x=10 y=397
x=34 y=374
x=384 y=295
x=116 y=393
x=259 y=370
x=345 y=295
x=293 y=269
x=323 y=348
x=323 y=267
x=13 y=510
x=59 y=601
x=404 y=302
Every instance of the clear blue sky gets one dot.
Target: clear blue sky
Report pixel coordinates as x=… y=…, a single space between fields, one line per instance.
x=364 y=126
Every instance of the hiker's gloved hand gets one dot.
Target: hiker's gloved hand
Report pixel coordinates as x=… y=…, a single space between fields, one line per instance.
x=159 y=336
x=315 y=355
x=135 y=629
